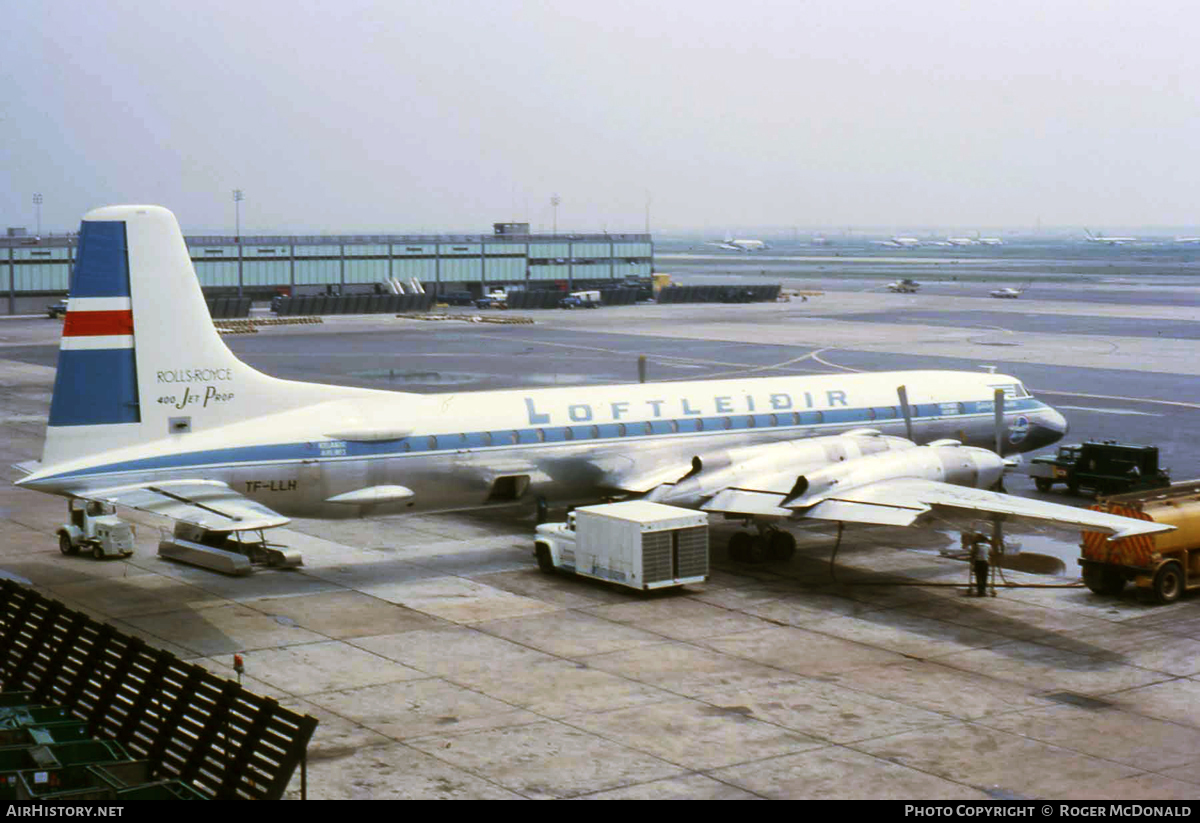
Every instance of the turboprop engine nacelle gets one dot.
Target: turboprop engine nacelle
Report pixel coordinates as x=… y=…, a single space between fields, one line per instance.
x=945 y=462
x=774 y=465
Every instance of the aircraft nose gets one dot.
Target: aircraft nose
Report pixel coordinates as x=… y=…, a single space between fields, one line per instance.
x=1049 y=426
x=1056 y=422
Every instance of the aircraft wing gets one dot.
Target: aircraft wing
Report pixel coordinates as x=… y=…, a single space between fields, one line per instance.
x=207 y=503
x=622 y=473
x=901 y=501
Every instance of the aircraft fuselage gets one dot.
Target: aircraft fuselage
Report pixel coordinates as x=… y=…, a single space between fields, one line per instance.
x=568 y=445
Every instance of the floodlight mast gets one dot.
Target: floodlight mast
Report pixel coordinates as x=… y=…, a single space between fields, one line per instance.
x=238 y=197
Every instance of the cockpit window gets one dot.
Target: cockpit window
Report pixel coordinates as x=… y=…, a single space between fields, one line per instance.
x=1012 y=391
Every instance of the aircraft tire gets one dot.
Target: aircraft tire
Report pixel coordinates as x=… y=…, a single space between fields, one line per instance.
x=1168 y=582
x=739 y=547
x=757 y=548
x=781 y=546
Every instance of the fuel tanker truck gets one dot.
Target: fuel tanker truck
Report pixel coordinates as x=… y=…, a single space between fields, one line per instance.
x=1162 y=566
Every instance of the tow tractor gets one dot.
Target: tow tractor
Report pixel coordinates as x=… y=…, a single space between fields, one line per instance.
x=96 y=528
x=1105 y=467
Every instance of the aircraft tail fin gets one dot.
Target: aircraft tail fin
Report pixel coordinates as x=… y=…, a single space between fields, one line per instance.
x=140 y=359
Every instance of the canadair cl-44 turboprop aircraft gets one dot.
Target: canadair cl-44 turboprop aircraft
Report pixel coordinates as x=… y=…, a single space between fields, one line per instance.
x=152 y=411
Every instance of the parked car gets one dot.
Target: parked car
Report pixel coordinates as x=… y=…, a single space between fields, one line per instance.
x=57 y=309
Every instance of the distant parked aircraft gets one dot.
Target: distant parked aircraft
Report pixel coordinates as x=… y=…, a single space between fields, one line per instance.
x=1106 y=240
x=731 y=244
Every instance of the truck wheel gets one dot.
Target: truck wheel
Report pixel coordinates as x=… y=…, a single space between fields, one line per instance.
x=1103 y=579
x=65 y=545
x=1073 y=486
x=1168 y=582
x=544 y=561
x=1043 y=485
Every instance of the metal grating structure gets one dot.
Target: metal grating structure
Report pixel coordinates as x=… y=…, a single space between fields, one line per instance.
x=691 y=551
x=208 y=732
x=656 y=557
x=675 y=554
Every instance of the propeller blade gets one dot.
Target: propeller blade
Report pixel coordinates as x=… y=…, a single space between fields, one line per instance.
x=999 y=404
x=904 y=408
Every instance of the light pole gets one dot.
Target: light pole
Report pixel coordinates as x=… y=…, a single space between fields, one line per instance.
x=238 y=197
x=554 y=201
x=37 y=207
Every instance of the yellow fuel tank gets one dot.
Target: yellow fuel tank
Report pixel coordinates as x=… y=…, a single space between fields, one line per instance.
x=1177 y=505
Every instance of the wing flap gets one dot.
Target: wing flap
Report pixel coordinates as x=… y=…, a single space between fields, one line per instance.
x=207 y=503
x=916 y=495
x=747 y=502
x=849 y=511
x=634 y=476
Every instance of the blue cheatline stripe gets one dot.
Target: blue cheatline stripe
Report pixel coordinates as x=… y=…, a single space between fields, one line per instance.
x=102 y=267
x=449 y=443
x=95 y=387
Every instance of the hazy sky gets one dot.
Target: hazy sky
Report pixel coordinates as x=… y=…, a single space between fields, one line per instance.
x=448 y=115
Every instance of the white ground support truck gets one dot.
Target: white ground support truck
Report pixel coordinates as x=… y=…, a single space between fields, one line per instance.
x=637 y=544
x=95 y=528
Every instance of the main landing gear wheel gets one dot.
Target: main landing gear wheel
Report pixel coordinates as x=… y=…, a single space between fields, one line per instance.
x=773 y=545
x=746 y=548
x=781 y=546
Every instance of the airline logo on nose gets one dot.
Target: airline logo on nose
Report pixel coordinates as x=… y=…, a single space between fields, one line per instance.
x=1019 y=429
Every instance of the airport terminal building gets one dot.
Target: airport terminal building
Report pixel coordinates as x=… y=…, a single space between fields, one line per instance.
x=265 y=265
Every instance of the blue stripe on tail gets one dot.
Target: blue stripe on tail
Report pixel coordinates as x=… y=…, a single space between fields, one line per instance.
x=94 y=388
x=102 y=267
x=97 y=386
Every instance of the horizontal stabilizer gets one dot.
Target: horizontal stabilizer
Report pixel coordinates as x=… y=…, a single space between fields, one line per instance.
x=207 y=503
x=28 y=467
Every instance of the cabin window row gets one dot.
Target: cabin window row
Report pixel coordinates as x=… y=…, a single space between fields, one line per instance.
x=604 y=431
